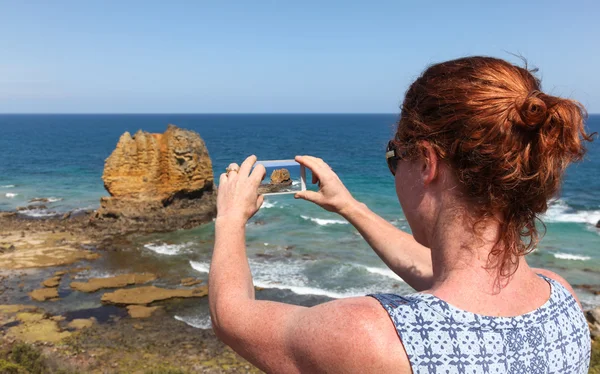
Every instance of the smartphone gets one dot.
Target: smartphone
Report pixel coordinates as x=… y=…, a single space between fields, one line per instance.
x=282 y=177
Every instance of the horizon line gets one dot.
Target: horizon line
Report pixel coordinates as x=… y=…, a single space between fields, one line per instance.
x=208 y=113
x=201 y=113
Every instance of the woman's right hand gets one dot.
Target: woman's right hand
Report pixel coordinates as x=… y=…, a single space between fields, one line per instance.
x=332 y=195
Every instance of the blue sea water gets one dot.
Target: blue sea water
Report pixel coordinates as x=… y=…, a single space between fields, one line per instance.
x=292 y=245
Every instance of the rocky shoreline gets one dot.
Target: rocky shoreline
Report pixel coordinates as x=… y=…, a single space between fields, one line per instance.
x=132 y=332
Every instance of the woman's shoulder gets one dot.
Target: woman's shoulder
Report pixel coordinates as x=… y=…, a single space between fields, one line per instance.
x=357 y=332
x=562 y=281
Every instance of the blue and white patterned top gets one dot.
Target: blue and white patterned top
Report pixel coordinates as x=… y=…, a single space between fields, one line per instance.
x=440 y=338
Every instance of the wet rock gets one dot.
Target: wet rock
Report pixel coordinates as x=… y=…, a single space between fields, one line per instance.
x=593 y=317
x=30 y=207
x=140 y=311
x=83 y=323
x=158 y=182
x=79 y=269
x=598 y=224
x=280 y=176
x=592 y=288
x=187 y=282
x=149 y=294
x=43 y=294
x=39 y=200
x=94 y=284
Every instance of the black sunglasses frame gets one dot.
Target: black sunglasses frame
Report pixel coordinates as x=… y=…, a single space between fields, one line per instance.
x=392 y=156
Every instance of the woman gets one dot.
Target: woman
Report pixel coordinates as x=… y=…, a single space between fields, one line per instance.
x=479 y=150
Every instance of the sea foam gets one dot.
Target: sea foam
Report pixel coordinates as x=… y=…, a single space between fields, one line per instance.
x=38 y=213
x=267 y=204
x=568 y=256
x=560 y=211
x=199 y=322
x=385 y=272
x=168 y=249
x=324 y=222
x=286 y=276
x=8 y=186
x=11 y=195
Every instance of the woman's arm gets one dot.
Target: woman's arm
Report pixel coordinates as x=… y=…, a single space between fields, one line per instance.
x=349 y=335
x=399 y=250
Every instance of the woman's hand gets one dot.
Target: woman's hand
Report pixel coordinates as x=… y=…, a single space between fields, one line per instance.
x=332 y=195
x=238 y=197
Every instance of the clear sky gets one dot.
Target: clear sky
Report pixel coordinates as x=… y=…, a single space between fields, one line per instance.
x=275 y=56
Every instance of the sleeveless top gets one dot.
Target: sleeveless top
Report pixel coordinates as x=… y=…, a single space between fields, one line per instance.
x=440 y=338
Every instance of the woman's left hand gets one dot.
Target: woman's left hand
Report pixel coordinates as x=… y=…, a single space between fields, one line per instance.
x=237 y=196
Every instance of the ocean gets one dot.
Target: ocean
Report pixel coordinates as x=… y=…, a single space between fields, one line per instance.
x=297 y=251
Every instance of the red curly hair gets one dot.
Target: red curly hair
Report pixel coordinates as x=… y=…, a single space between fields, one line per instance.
x=507 y=142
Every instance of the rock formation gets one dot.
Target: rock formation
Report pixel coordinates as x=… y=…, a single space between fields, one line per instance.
x=598 y=224
x=158 y=182
x=281 y=176
x=279 y=181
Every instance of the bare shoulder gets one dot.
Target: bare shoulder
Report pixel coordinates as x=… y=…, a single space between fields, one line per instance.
x=559 y=279
x=348 y=335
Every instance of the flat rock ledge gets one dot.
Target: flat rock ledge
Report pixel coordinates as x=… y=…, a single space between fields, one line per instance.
x=140 y=311
x=95 y=284
x=148 y=294
x=43 y=294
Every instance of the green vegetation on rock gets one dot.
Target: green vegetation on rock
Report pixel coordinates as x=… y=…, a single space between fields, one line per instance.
x=595 y=361
x=7 y=367
x=23 y=358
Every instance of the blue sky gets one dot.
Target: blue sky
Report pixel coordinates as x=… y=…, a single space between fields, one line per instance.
x=275 y=56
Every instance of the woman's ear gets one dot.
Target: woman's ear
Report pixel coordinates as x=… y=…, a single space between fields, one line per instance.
x=429 y=164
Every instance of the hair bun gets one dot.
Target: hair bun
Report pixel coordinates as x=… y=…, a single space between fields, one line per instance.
x=532 y=112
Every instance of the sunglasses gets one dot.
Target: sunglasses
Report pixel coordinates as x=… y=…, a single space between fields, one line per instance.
x=392 y=156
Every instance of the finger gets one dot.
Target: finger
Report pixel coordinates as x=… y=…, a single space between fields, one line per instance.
x=259 y=201
x=233 y=171
x=309 y=196
x=316 y=166
x=258 y=174
x=247 y=165
x=222 y=178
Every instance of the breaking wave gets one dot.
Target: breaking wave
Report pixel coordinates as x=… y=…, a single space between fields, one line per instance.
x=560 y=211
x=267 y=204
x=568 y=256
x=39 y=213
x=168 y=249
x=325 y=222
x=199 y=322
x=290 y=276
